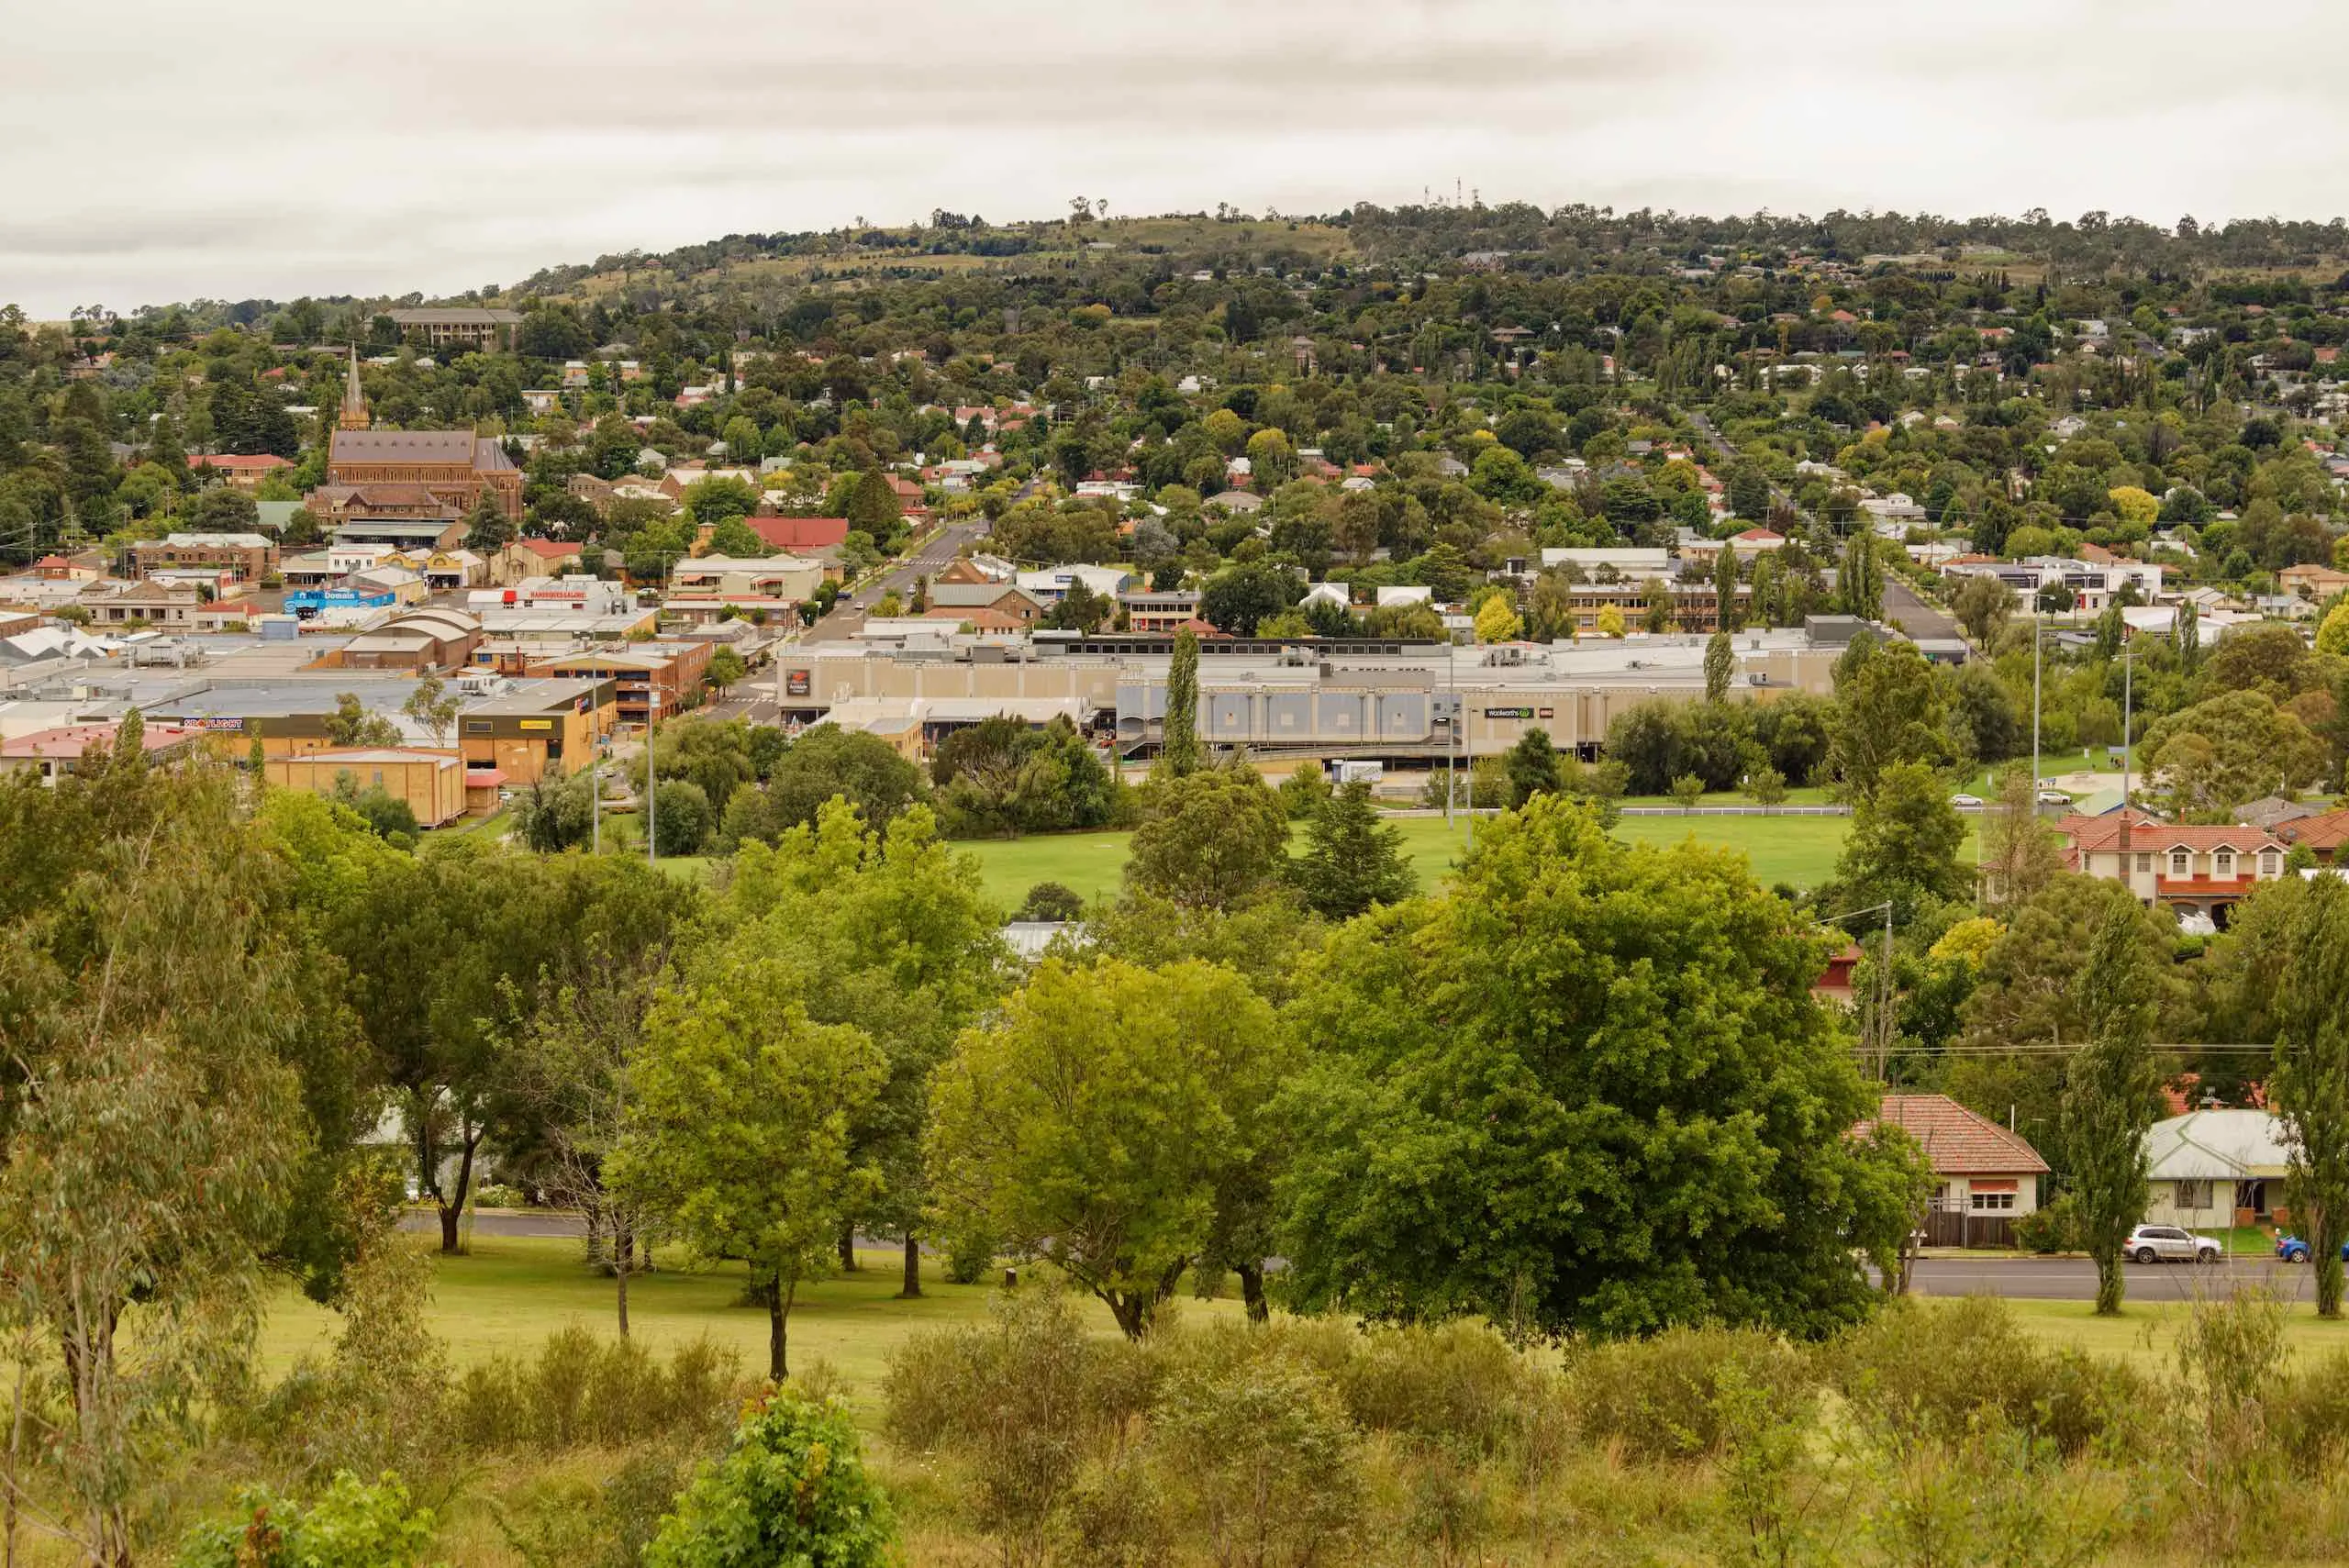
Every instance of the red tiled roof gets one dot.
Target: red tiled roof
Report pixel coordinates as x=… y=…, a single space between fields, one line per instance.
x=2092 y=833
x=2329 y=831
x=1955 y=1139
x=229 y=463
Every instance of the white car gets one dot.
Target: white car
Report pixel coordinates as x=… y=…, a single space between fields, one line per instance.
x=1965 y=800
x=2170 y=1244
x=2053 y=798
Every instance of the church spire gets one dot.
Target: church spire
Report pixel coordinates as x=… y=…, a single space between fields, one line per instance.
x=354 y=400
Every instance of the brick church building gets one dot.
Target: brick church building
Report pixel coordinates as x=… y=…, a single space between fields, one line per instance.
x=453 y=466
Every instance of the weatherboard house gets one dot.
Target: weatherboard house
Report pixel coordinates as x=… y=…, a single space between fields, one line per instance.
x=2218 y=1167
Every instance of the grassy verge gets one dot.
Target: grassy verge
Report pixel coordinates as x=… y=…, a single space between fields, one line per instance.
x=2146 y=1333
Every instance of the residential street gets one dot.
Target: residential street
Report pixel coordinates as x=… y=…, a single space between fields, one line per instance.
x=2073 y=1279
x=2016 y=1278
x=846 y=620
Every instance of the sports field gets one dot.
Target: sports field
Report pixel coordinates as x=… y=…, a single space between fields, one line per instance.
x=1800 y=850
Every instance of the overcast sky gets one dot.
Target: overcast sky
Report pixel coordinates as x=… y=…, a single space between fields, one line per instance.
x=153 y=150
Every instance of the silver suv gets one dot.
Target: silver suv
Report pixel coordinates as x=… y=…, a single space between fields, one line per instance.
x=2170 y=1244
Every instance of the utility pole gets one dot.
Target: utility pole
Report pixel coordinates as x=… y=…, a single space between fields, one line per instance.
x=1884 y=1002
x=2128 y=673
x=595 y=798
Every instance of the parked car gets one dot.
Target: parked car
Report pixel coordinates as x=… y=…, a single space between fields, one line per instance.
x=2053 y=798
x=1965 y=800
x=2170 y=1244
x=2292 y=1250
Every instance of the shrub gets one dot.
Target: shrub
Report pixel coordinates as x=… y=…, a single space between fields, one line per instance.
x=377 y=1403
x=1261 y=1457
x=350 y=1525
x=1458 y=1383
x=1020 y=1399
x=580 y=1388
x=791 y=1490
x=1116 y=1514
x=497 y=1194
x=2308 y=1417
x=969 y=1252
x=577 y=1522
x=1659 y=1399
x=2049 y=1229
x=1052 y=901
x=1934 y=1370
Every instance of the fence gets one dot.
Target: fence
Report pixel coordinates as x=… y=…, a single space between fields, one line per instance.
x=1962 y=1228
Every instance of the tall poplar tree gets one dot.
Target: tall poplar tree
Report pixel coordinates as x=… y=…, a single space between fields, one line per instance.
x=2109 y=1100
x=2310 y=1082
x=1179 y=752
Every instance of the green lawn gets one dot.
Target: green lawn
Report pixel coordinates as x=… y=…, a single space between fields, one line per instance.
x=1796 y=849
x=509 y=1292
x=2147 y=1333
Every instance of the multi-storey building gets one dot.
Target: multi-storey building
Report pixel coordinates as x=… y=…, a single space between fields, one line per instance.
x=489 y=330
x=249 y=557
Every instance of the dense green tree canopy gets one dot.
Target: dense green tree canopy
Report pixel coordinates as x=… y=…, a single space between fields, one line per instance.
x=1587 y=1088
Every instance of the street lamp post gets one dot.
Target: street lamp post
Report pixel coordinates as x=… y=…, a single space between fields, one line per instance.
x=2034 y=702
x=652 y=781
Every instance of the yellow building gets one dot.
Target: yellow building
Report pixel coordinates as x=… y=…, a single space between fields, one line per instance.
x=432 y=782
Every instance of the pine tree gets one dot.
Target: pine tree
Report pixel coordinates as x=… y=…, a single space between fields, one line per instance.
x=2109 y=1097
x=1351 y=859
x=487 y=528
x=1178 y=753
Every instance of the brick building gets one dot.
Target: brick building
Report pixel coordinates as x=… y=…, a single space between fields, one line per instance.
x=251 y=557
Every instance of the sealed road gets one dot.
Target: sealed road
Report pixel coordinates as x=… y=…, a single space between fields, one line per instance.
x=2073 y=1279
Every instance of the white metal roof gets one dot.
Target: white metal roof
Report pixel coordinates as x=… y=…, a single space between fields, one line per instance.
x=2216 y=1145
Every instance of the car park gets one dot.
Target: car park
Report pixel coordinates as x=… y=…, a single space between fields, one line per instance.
x=2170 y=1244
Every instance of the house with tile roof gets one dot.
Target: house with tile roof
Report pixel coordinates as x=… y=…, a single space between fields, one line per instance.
x=1979 y=1167
x=2208 y=870
x=2324 y=833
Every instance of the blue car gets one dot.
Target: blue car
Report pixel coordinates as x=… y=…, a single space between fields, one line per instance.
x=2292 y=1250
